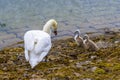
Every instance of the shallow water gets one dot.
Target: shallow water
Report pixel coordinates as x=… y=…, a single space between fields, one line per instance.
x=19 y=13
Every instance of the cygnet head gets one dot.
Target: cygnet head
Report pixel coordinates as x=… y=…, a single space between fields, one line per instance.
x=78 y=39
x=77 y=32
x=86 y=37
x=89 y=43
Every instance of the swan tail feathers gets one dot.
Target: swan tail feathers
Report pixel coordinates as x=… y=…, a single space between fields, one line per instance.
x=29 y=42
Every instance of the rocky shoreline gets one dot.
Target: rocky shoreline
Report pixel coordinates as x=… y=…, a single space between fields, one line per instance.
x=66 y=61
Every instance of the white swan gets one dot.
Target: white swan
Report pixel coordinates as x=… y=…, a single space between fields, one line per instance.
x=90 y=45
x=78 y=39
x=37 y=43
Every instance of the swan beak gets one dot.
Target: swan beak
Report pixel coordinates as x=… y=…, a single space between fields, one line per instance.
x=55 y=32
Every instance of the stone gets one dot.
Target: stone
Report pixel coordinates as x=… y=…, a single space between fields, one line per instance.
x=7 y=36
x=93 y=69
x=93 y=57
x=11 y=41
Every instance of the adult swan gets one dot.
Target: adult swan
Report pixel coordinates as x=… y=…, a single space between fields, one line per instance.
x=37 y=43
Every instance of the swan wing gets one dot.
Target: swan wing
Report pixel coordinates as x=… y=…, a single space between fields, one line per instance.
x=39 y=53
x=29 y=41
x=38 y=43
x=42 y=45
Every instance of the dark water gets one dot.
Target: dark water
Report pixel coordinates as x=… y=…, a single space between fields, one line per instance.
x=19 y=13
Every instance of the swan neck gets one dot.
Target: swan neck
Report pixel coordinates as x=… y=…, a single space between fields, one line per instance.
x=47 y=28
x=76 y=36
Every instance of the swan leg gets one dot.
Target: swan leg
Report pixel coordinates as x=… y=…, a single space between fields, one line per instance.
x=26 y=55
x=45 y=59
x=42 y=56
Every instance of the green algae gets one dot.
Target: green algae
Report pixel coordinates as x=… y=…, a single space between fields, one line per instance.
x=66 y=61
x=99 y=71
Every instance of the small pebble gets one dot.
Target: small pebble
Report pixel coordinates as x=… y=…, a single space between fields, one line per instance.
x=93 y=69
x=93 y=57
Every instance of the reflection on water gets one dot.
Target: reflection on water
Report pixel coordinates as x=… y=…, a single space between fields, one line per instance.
x=17 y=13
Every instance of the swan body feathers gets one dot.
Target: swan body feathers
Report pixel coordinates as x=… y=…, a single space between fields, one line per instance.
x=37 y=43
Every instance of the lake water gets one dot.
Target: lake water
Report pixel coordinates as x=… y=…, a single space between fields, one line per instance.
x=87 y=15
x=19 y=13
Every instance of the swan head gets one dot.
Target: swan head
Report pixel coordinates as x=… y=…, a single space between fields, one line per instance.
x=50 y=25
x=54 y=25
x=86 y=37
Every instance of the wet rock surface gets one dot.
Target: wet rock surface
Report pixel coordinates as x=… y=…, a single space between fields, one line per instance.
x=66 y=61
x=10 y=35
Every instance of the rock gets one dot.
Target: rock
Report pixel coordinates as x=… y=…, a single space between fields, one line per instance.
x=26 y=75
x=52 y=57
x=111 y=30
x=77 y=74
x=103 y=44
x=116 y=42
x=5 y=69
x=87 y=79
x=80 y=64
x=71 y=61
x=93 y=69
x=93 y=57
x=87 y=62
x=10 y=62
